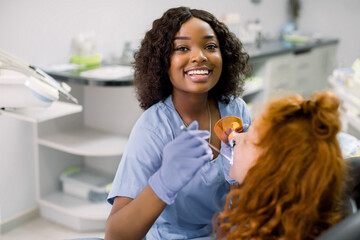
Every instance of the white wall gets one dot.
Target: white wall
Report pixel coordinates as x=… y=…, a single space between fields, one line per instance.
x=17 y=168
x=334 y=18
x=40 y=31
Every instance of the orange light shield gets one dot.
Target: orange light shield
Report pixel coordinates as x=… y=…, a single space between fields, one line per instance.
x=227 y=128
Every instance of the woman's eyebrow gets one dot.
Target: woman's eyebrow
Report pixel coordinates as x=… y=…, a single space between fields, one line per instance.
x=182 y=38
x=188 y=38
x=209 y=37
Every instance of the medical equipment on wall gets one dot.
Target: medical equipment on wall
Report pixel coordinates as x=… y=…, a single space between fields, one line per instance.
x=23 y=85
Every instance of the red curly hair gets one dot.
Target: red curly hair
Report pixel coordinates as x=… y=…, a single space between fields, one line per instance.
x=293 y=191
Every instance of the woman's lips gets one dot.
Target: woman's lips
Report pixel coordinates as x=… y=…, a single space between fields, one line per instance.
x=198 y=75
x=198 y=72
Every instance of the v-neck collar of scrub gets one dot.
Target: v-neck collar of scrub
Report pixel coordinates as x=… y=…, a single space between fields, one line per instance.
x=168 y=102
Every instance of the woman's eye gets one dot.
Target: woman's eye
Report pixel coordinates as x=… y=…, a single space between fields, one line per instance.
x=181 y=48
x=212 y=46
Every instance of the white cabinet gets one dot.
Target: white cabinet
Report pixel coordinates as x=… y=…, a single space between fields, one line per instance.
x=303 y=72
x=60 y=149
x=63 y=138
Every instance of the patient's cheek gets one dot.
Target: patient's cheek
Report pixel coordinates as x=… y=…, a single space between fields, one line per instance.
x=234 y=172
x=231 y=172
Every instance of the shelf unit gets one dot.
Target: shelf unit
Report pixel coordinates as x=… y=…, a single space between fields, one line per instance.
x=74 y=212
x=350 y=102
x=36 y=115
x=92 y=139
x=85 y=141
x=62 y=141
x=67 y=148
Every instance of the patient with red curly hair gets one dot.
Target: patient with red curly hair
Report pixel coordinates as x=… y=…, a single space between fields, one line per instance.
x=291 y=172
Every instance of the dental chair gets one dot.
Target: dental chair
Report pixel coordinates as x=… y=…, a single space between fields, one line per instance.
x=351 y=197
x=349 y=227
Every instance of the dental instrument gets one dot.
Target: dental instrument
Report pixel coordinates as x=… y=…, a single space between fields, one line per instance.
x=184 y=128
x=17 y=77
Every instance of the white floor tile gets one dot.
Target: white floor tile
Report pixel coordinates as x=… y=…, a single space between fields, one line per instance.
x=42 y=229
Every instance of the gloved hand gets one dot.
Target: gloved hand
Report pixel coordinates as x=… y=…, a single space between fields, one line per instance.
x=182 y=158
x=227 y=151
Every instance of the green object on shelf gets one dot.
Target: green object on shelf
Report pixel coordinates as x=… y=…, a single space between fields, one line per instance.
x=71 y=170
x=296 y=38
x=86 y=60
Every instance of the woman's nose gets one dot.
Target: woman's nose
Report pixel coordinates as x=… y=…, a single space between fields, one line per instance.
x=198 y=56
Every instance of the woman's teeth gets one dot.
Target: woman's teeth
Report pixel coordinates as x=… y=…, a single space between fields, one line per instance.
x=198 y=72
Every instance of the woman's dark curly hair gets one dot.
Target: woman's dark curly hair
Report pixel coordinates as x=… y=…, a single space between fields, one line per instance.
x=152 y=60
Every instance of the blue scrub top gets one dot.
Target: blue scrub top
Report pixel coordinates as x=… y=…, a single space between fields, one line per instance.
x=191 y=215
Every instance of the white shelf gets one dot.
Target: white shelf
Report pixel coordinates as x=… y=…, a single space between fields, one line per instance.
x=35 y=115
x=74 y=213
x=86 y=142
x=77 y=207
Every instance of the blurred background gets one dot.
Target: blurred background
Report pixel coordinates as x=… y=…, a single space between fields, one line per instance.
x=295 y=46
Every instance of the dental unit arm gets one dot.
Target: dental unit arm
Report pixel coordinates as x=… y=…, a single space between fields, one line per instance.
x=24 y=85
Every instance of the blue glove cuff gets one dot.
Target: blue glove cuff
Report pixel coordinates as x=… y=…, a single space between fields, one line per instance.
x=155 y=182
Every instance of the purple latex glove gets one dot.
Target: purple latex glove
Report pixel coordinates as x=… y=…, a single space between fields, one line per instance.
x=182 y=158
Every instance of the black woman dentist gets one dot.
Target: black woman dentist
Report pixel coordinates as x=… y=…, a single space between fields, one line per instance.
x=189 y=71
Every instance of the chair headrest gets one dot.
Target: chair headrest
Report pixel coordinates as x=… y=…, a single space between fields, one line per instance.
x=347 y=229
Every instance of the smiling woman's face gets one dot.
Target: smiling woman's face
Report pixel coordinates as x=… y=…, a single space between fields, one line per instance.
x=246 y=152
x=196 y=62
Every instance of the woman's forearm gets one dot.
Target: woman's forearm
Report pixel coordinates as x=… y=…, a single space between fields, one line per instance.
x=131 y=219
